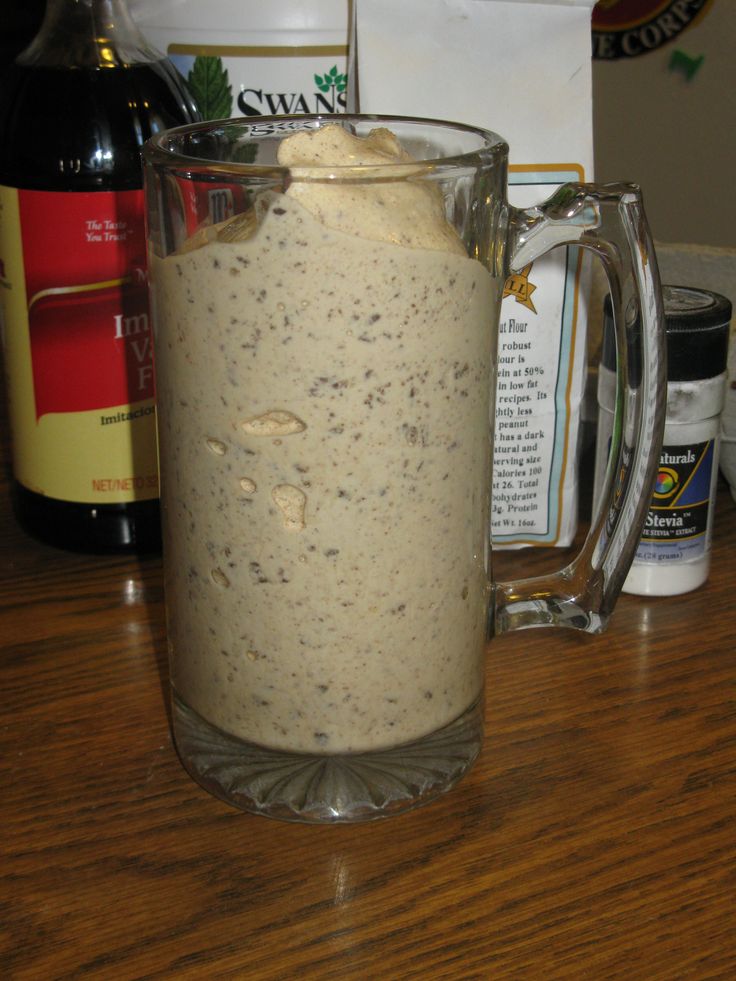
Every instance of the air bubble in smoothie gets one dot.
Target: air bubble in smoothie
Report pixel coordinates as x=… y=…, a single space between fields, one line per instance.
x=292 y=503
x=216 y=446
x=276 y=423
x=219 y=577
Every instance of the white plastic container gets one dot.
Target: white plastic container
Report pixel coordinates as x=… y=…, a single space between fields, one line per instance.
x=728 y=420
x=250 y=58
x=673 y=556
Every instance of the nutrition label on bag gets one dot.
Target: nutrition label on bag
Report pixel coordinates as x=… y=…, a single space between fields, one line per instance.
x=539 y=386
x=523 y=448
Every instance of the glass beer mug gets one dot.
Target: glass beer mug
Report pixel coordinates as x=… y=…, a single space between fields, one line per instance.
x=326 y=300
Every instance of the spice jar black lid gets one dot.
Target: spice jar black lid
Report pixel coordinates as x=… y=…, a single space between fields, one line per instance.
x=698 y=325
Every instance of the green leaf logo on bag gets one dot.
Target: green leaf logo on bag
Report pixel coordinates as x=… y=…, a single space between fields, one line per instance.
x=210 y=86
x=331 y=78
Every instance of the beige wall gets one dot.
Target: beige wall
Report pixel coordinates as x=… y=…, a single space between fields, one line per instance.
x=677 y=138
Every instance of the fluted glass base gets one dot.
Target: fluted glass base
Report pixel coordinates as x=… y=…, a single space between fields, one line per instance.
x=326 y=789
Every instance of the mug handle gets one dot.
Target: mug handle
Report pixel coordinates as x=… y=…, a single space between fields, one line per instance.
x=610 y=220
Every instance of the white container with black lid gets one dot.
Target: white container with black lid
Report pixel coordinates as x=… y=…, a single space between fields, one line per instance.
x=250 y=58
x=673 y=555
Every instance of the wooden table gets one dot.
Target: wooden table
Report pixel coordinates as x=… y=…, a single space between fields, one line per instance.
x=596 y=837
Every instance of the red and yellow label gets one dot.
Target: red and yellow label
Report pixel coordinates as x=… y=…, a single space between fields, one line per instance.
x=78 y=344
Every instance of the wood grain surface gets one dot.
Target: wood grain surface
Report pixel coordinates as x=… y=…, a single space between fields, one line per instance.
x=595 y=838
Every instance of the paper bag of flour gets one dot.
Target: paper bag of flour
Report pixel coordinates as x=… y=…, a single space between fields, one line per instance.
x=523 y=70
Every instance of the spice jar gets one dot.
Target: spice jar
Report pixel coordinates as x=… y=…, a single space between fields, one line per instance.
x=673 y=555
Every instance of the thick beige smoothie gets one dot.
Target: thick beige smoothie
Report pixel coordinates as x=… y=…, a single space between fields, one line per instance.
x=324 y=441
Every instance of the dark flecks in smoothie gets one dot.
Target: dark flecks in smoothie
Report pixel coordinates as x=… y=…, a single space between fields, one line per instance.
x=346 y=584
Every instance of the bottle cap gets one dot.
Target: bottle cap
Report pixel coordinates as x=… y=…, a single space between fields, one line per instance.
x=697 y=324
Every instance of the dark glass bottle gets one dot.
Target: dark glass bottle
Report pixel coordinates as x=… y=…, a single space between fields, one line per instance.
x=75 y=109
